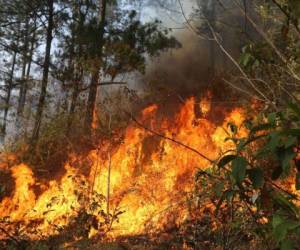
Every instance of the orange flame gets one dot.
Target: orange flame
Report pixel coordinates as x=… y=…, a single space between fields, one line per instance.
x=148 y=177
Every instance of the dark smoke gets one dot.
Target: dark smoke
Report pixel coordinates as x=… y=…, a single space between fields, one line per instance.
x=200 y=65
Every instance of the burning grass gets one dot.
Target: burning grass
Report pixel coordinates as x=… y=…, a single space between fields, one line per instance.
x=143 y=185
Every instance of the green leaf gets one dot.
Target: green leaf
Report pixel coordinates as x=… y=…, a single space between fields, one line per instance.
x=256 y=63
x=229 y=194
x=262 y=127
x=245 y=59
x=291 y=141
x=281 y=230
x=225 y=160
x=285 y=155
x=294 y=107
x=277 y=220
x=287 y=245
x=274 y=141
x=256 y=177
x=239 y=165
x=218 y=188
x=284 y=202
x=291 y=132
x=297 y=231
x=242 y=144
x=272 y=118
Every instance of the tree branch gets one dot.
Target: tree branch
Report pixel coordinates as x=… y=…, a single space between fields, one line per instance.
x=104 y=84
x=168 y=138
x=287 y=15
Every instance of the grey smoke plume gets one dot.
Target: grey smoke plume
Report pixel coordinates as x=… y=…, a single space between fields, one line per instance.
x=200 y=64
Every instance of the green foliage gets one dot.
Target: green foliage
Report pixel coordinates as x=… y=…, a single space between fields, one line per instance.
x=239 y=165
x=125 y=45
x=268 y=153
x=129 y=42
x=256 y=177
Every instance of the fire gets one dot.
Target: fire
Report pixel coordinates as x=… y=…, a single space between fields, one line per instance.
x=205 y=104
x=131 y=188
x=23 y=198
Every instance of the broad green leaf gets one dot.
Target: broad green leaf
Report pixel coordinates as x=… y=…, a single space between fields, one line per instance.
x=263 y=152
x=285 y=155
x=280 y=231
x=256 y=177
x=225 y=160
x=239 y=165
x=274 y=141
x=270 y=146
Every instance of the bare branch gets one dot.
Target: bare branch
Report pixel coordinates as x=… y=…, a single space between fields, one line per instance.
x=269 y=41
x=168 y=138
x=104 y=84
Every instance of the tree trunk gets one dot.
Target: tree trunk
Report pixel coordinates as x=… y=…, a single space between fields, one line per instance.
x=25 y=59
x=8 y=95
x=46 y=65
x=91 y=102
x=95 y=74
x=75 y=94
x=24 y=86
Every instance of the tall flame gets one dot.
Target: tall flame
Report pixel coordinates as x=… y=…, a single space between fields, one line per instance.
x=143 y=181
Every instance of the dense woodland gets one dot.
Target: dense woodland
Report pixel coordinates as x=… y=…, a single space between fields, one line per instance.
x=75 y=73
